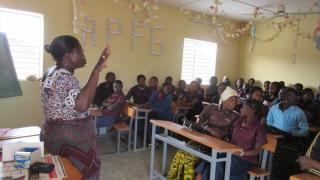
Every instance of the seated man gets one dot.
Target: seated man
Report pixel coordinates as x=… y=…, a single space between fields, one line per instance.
x=217 y=121
x=104 y=90
x=280 y=97
x=111 y=107
x=140 y=92
x=287 y=117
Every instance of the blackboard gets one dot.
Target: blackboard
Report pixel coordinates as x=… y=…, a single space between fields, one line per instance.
x=9 y=84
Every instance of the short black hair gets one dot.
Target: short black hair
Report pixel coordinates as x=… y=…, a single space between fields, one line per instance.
x=155 y=78
x=118 y=82
x=62 y=45
x=277 y=84
x=255 y=105
x=255 y=89
x=141 y=76
x=109 y=74
x=169 y=77
x=293 y=91
x=307 y=90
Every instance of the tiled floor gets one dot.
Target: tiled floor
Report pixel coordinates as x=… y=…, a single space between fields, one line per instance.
x=126 y=166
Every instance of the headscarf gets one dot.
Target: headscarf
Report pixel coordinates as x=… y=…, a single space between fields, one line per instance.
x=226 y=94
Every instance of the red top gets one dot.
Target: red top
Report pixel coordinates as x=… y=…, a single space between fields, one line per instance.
x=117 y=101
x=246 y=136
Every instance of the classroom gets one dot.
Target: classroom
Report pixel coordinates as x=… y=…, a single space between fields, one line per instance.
x=232 y=86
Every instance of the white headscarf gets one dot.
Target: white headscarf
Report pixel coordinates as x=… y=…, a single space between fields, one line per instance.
x=226 y=94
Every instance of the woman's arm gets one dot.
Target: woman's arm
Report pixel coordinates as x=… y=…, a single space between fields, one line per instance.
x=116 y=105
x=253 y=152
x=307 y=163
x=85 y=97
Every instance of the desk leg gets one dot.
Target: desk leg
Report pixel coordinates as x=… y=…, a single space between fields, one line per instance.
x=95 y=126
x=164 y=155
x=270 y=159
x=152 y=151
x=228 y=166
x=136 y=119
x=213 y=164
x=145 y=130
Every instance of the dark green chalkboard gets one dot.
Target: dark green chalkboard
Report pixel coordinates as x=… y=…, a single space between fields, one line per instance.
x=9 y=84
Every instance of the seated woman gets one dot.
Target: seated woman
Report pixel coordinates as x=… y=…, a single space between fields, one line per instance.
x=140 y=92
x=274 y=89
x=212 y=95
x=266 y=85
x=311 y=161
x=160 y=102
x=215 y=120
x=256 y=94
x=153 y=84
x=200 y=90
x=180 y=92
x=194 y=100
x=169 y=80
x=249 y=85
x=250 y=135
x=239 y=88
x=311 y=107
x=111 y=107
x=290 y=121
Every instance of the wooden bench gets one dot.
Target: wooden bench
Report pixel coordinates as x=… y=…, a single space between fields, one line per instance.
x=267 y=150
x=120 y=127
x=304 y=176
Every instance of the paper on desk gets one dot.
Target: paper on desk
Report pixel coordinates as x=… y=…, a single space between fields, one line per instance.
x=58 y=173
x=3 y=131
x=8 y=150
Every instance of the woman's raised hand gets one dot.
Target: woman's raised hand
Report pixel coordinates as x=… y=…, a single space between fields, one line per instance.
x=102 y=63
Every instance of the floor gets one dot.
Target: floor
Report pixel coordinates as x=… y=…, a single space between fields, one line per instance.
x=126 y=166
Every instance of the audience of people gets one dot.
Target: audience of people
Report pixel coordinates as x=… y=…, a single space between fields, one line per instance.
x=279 y=109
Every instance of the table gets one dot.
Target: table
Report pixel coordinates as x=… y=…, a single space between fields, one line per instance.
x=215 y=144
x=304 y=176
x=33 y=136
x=145 y=111
x=72 y=172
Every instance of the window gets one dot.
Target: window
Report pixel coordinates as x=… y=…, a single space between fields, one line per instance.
x=24 y=31
x=199 y=60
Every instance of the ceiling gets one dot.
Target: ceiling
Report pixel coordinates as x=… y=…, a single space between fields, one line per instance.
x=235 y=10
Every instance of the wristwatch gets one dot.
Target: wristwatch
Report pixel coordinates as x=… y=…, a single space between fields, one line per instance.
x=241 y=153
x=206 y=128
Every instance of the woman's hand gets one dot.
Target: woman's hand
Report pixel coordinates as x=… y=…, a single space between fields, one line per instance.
x=102 y=63
x=305 y=162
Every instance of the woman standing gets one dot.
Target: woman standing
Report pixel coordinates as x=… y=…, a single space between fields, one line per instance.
x=68 y=128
